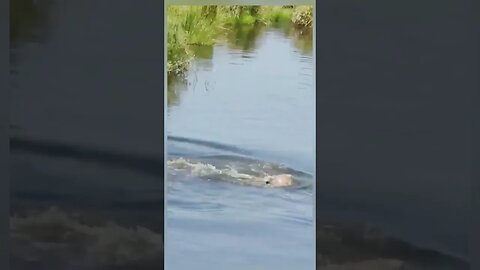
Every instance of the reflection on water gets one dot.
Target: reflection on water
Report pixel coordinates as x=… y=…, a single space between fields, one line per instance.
x=240 y=167
x=244 y=37
x=86 y=189
x=203 y=52
x=241 y=39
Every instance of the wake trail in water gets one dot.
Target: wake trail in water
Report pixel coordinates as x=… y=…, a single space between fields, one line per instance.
x=238 y=170
x=210 y=144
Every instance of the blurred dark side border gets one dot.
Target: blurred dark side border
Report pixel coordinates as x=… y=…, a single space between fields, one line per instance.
x=4 y=145
x=332 y=31
x=475 y=164
x=150 y=33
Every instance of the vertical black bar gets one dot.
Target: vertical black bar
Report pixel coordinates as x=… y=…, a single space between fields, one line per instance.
x=4 y=93
x=475 y=189
x=86 y=142
x=475 y=153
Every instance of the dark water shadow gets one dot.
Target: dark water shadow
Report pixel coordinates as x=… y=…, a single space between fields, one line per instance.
x=175 y=86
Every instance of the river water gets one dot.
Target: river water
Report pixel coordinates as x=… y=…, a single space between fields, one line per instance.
x=249 y=100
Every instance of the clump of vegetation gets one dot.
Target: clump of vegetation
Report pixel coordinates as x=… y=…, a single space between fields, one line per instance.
x=185 y=27
x=303 y=16
x=277 y=15
x=178 y=55
x=201 y=25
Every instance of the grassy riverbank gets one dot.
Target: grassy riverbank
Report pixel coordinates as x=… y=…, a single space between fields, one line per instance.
x=202 y=25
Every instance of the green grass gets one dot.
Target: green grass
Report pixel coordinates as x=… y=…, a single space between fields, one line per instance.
x=278 y=15
x=202 y=25
x=303 y=17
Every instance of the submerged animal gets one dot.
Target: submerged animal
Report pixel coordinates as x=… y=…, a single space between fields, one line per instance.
x=227 y=172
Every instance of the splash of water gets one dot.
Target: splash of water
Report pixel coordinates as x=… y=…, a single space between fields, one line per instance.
x=248 y=175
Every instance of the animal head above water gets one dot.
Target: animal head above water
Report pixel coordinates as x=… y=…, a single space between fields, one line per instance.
x=239 y=173
x=281 y=180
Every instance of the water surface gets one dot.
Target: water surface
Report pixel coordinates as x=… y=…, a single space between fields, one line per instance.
x=247 y=100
